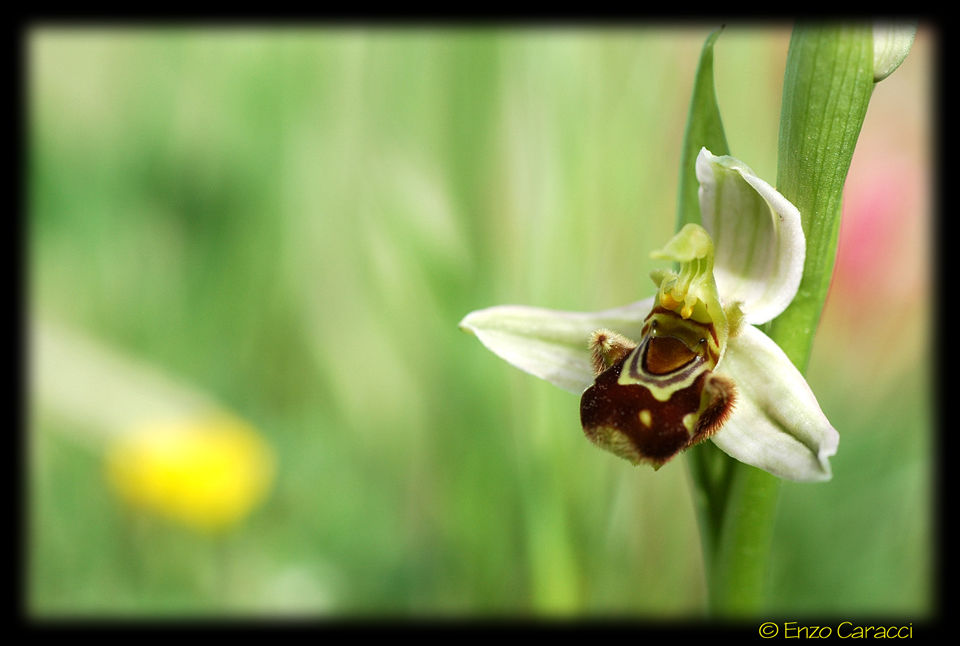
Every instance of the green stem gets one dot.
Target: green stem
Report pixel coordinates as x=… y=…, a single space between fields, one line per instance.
x=742 y=550
x=827 y=86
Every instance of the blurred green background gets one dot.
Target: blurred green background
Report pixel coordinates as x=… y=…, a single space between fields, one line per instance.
x=292 y=222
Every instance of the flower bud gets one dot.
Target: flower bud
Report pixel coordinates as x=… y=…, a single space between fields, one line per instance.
x=891 y=44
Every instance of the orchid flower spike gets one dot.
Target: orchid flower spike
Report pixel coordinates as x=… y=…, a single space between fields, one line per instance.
x=699 y=368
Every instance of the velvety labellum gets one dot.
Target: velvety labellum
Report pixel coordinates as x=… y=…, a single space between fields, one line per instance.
x=654 y=399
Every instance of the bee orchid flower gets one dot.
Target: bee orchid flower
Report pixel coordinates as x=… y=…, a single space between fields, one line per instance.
x=689 y=364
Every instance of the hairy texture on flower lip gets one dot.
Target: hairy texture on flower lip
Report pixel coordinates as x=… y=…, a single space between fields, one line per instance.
x=659 y=399
x=620 y=418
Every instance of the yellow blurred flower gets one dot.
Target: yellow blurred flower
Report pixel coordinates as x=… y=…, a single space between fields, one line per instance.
x=207 y=473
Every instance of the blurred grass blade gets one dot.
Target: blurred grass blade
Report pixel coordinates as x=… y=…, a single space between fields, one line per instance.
x=100 y=390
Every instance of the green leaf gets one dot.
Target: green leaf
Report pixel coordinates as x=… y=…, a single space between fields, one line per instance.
x=709 y=468
x=704 y=130
x=827 y=86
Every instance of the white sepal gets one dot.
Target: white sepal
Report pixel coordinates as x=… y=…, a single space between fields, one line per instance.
x=757 y=236
x=552 y=344
x=777 y=424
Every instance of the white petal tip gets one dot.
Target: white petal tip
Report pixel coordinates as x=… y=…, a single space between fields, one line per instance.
x=777 y=424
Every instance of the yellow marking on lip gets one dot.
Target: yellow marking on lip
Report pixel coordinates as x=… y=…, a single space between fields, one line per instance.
x=645 y=418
